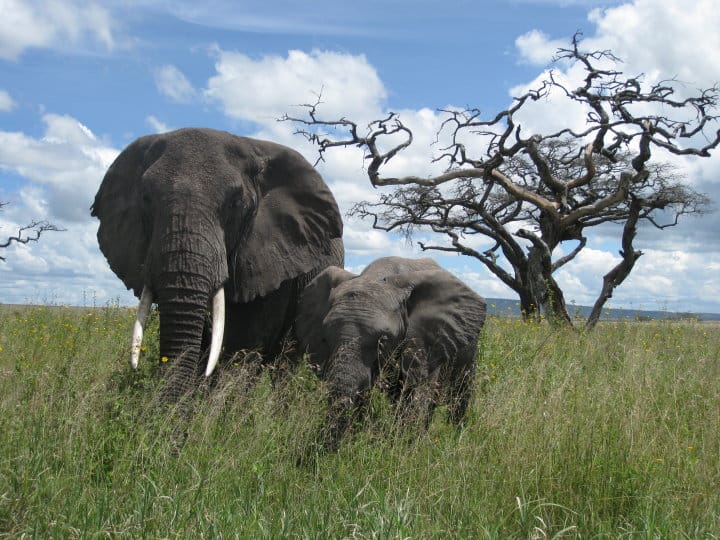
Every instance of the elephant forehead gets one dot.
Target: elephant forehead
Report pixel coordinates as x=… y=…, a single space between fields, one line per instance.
x=189 y=163
x=203 y=155
x=364 y=298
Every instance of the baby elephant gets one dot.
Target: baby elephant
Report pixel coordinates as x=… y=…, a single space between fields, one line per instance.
x=407 y=314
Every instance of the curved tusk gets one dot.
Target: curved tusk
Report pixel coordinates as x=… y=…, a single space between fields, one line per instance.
x=218 y=330
x=137 y=337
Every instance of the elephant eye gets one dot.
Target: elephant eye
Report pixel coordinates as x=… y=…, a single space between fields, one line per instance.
x=238 y=198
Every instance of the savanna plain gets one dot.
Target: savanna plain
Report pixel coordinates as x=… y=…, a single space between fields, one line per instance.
x=607 y=434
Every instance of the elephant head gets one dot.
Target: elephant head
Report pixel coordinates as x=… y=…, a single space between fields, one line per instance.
x=197 y=217
x=411 y=310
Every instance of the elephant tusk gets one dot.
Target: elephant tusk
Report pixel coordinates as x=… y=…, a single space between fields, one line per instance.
x=137 y=337
x=218 y=330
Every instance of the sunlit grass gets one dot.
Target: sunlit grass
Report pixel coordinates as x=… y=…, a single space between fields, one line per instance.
x=610 y=433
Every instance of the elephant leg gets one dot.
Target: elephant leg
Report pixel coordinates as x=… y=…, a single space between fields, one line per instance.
x=263 y=324
x=419 y=389
x=423 y=400
x=460 y=386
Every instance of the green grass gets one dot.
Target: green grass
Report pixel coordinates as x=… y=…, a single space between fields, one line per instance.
x=608 y=434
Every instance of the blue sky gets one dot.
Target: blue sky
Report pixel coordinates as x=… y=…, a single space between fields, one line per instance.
x=81 y=80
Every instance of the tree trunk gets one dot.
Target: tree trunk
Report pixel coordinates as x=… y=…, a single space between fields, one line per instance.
x=545 y=290
x=622 y=270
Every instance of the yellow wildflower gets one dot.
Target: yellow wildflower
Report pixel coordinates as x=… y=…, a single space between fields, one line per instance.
x=164 y=359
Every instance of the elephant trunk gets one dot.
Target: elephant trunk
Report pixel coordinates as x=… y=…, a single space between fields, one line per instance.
x=182 y=321
x=349 y=378
x=191 y=271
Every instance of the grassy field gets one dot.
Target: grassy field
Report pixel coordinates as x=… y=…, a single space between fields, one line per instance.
x=609 y=434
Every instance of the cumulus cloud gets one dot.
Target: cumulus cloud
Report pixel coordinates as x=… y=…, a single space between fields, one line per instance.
x=173 y=83
x=536 y=47
x=262 y=89
x=6 y=102
x=63 y=267
x=663 y=38
x=51 y=24
x=661 y=280
x=658 y=39
x=63 y=170
x=65 y=165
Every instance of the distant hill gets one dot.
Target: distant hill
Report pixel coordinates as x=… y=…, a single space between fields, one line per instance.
x=502 y=307
x=499 y=307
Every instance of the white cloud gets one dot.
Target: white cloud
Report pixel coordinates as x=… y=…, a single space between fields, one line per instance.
x=659 y=39
x=664 y=38
x=156 y=124
x=63 y=170
x=479 y=278
x=173 y=83
x=662 y=279
x=62 y=267
x=581 y=279
x=263 y=89
x=674 y=280
x=359 y=241
x=65 y=166
x=6 y=102
x=51 y=24
x=536 y=47
x=280 y=16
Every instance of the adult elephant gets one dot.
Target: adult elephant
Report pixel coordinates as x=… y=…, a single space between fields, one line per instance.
x=405 y=312
x=196 y=218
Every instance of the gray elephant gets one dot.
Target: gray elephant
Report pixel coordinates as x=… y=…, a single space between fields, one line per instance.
x=404 y=312
x=197 y=218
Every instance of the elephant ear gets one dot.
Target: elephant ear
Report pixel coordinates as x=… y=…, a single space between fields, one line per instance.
x=118 y=203
x=296 y=231
x=444 y=315
x=314 y=305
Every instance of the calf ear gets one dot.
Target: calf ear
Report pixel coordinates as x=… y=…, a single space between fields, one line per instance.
x=443 y=314
x=313 y=307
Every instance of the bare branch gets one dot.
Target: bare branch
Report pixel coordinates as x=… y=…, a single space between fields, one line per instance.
x=28 y=233
x=562 y=261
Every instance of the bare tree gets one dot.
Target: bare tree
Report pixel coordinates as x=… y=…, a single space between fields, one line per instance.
x=28 y=233
x=528 y=194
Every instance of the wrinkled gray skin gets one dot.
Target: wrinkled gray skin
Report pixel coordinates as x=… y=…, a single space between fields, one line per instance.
x=186 y=212
x=404 y=312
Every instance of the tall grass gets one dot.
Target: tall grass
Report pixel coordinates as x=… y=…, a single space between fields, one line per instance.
x=613 y=433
